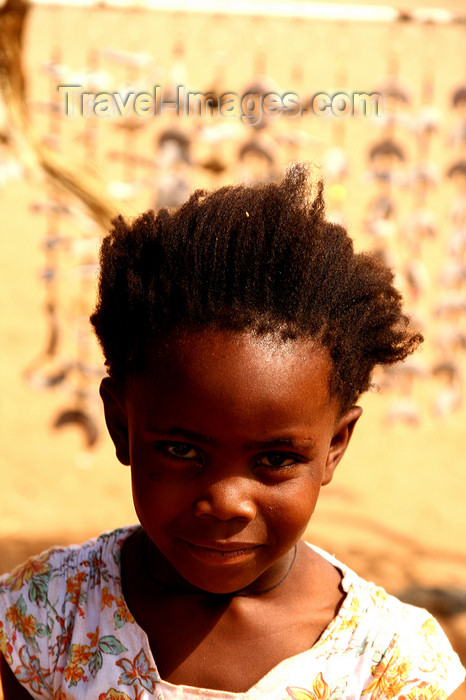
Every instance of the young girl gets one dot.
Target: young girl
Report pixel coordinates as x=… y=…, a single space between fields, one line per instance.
x=238 y=332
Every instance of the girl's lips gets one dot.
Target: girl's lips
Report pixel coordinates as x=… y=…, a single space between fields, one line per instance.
x=221 y=553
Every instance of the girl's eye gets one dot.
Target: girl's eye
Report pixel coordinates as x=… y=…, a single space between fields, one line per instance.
x=180 y=450
x=276 y=460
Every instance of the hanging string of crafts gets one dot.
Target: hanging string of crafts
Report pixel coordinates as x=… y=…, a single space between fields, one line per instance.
x=335 y=158
x=68 y=233
x=450 y=307
x=403 y=220
x=386 y=155
x=214 y=137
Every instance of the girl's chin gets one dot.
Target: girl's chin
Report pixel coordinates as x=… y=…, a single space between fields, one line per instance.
x=193 y=568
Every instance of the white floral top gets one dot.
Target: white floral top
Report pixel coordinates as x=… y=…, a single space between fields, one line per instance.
x=68 y=634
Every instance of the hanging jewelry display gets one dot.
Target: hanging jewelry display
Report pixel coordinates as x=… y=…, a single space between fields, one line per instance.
x=386 y=154
x=52 y=369
x=213 y=131
x=291 y=134
x=421 y=224
x=173 y=141
x=450 y=308
x=335 y=161
x=257 y=154
x=80 y=413
x=47 y=370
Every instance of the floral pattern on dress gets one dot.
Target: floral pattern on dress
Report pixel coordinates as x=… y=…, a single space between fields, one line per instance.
x=139 y=673
x=91 y=656
x=35 y=616
x=390 y=676
x=5 y=646
x=320 y=690
x=113 y=694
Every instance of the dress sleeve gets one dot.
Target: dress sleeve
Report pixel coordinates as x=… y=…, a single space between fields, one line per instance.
x=419 y=664
x=27 y=625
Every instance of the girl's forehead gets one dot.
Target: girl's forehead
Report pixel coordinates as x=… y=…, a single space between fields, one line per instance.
x=249 y=384
x=232 y=363
x=219 y=345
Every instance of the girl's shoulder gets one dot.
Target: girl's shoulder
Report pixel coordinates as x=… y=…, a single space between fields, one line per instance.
x=64 y=602
x=370 y=608
x=401 y=642
x=57 y=565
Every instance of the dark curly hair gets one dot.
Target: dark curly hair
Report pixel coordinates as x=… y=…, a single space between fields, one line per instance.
x=261 y=258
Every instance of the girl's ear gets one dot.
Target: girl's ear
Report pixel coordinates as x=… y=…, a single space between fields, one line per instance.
x=112 y=395
x=340 y=440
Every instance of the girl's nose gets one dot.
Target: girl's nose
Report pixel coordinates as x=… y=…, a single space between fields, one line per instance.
x=226 y=500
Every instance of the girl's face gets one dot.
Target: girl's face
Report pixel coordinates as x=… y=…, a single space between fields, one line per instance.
x=229 y=437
